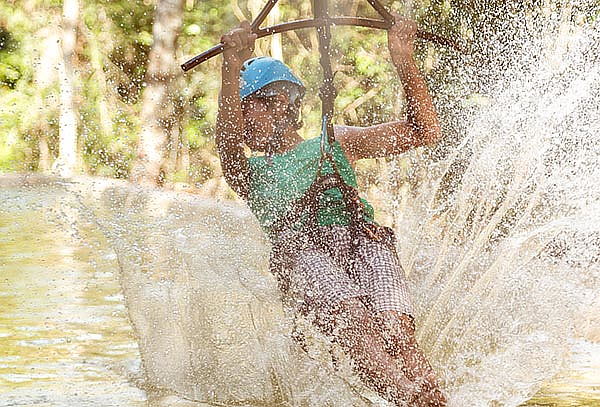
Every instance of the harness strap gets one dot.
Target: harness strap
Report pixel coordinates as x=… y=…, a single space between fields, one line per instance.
x=309 y=202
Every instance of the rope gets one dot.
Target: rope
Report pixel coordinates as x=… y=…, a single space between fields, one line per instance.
x=327 y=92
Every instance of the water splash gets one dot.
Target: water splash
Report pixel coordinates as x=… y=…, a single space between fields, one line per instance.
x=501 y=239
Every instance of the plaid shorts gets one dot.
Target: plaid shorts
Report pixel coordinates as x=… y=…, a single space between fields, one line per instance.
x=317 y=277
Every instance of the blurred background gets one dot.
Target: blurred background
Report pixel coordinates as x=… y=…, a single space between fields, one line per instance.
x=87 y=87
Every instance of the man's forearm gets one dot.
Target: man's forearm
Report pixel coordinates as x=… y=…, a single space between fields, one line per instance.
x=229 y=117
x=229 y=133
x=420 y=110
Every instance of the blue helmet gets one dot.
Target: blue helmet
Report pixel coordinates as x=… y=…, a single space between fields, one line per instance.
x=256 y=73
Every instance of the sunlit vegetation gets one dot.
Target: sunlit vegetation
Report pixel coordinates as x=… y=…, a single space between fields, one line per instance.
x=111 y=56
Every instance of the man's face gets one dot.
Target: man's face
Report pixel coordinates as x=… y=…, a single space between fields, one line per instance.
x=261 y=117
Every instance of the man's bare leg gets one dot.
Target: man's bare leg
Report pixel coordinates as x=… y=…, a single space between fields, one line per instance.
x=398 y=331
x=357 y=332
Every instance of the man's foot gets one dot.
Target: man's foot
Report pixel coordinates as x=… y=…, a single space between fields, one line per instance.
x=433 y=398
x=430 y=394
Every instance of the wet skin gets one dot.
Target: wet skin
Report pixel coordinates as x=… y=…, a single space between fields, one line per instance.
x=261 y=118
x=382 y=345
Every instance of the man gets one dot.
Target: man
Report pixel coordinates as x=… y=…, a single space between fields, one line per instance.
x=348 y=277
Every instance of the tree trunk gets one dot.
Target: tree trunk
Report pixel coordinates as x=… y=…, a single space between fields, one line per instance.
x=159 y=110
x=67 y=163
x=45 y=76
x=99 y=77
x=45 y=160
x=273 y=18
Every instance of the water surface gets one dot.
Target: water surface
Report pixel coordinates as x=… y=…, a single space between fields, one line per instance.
x=65 y=336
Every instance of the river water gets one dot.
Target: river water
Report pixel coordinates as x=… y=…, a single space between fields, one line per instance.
x=65 y=335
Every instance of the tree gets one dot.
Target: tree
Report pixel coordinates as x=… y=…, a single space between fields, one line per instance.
x=67 y=162
x=160 y=113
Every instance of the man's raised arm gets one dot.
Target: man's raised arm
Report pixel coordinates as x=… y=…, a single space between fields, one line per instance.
x=230 y=120
x=421 y=126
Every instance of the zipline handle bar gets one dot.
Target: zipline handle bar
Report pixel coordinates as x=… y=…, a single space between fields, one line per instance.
x=315 y=22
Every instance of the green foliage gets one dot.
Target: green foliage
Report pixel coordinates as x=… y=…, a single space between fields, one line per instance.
x=114 y=40
x=9 y=72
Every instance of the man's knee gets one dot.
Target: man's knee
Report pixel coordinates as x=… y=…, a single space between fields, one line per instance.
x=352 y=318
x=397 y=327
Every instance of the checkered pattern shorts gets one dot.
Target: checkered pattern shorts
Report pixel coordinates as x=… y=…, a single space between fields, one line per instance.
x=317 y=277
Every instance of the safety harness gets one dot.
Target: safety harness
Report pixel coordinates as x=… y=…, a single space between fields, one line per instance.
x=309 y=201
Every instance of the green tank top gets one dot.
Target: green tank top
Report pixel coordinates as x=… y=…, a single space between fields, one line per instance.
x=276 y=182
